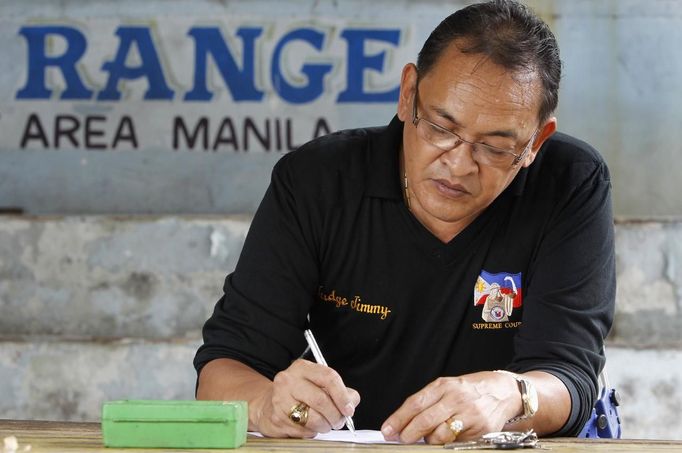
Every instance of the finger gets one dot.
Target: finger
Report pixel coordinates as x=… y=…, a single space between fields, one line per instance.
x=339 y=425
x=315 y=424
x=354 y=396
x=284 y=423
x=302 y=383
x=322 y=414
x=279 y=424
x=414 y=405
x=443 y=434
x=355 y=399
x=319 y=400
x=343 y=398
x=330 y=418
x=276 y=417
x=291 y=429
x=317 y=421
x=426 y=422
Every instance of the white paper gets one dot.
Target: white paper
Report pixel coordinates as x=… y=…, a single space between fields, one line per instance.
x=361 y=436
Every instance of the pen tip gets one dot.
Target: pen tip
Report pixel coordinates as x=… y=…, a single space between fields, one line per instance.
x=350 y=425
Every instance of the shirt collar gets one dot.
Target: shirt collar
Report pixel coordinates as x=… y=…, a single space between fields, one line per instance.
x=518 y=183
x=383 y=165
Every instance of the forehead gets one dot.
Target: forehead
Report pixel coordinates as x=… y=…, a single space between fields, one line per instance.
x=474 y=89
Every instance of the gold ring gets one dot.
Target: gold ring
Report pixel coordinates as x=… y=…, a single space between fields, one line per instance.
x=456 y=426
x=299 y=414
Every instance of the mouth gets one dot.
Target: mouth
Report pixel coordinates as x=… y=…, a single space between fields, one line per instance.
x=449 y=189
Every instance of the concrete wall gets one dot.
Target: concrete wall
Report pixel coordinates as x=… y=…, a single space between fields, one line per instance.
x=100 y=308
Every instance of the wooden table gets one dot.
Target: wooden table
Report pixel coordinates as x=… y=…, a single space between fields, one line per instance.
x=67 y=437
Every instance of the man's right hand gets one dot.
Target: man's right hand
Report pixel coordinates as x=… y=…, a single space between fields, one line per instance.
x=319 y=387
x=270 y=403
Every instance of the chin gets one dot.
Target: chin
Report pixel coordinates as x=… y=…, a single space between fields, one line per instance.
x=453 y=211
x=445 y=212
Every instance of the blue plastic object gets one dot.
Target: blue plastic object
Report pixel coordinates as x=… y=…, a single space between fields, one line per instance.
x=605 y=421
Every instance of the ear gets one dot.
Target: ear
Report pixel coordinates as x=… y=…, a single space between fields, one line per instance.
x=545 y=131
x=408 y=85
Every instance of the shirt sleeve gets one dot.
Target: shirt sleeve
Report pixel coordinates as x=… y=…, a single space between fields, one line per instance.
x=569 y=304
x=260 y=319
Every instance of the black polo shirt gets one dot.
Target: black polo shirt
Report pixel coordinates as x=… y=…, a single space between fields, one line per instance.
x=528 y=285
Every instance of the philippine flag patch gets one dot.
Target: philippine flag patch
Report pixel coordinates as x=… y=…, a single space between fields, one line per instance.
x=499 y=294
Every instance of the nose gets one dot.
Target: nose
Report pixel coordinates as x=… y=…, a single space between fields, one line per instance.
x=460 y=159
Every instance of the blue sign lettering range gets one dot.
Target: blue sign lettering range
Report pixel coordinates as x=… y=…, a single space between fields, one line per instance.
x=238 y=133
x=239 y=77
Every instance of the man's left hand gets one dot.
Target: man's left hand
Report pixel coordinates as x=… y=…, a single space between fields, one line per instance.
x=483 y=402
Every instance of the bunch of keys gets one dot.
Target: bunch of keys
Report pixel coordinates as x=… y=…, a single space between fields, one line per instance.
x=503 y=440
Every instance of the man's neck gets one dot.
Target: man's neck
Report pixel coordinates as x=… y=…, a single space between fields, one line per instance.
x=444 y=231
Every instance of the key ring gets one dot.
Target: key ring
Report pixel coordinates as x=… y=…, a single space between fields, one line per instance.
x=520 y=438
x=502 y=440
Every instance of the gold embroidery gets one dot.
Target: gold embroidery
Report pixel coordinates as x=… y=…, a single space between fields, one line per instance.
x=496 y=325
x=332 y=297
x=487 y=325
x=370 y=309
x=355 y=304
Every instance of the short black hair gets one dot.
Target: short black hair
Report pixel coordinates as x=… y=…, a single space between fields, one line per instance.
x=508 y=33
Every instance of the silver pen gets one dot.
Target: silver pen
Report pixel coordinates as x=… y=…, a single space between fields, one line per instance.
x=319 y=358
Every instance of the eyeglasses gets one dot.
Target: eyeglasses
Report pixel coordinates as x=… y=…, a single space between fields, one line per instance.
x=445 y=140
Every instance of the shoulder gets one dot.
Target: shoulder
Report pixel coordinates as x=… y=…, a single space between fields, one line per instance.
x=336 y=150
x=328 y=163
x=567 y=159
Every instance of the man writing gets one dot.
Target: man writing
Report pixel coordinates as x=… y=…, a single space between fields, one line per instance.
x=387 y=242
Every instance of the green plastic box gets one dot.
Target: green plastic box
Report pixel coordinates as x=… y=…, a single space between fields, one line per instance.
x=174 y=424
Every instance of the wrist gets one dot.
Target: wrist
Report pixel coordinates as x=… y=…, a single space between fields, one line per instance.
x=256 y=406
x=526 y=397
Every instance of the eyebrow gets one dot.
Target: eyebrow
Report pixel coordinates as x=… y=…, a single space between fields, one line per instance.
x=494 y=133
